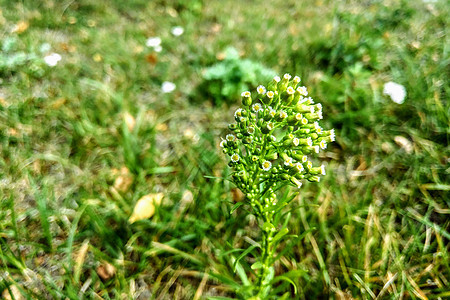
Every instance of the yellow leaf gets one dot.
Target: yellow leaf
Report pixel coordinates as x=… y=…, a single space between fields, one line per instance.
x=124 y=180
x=20 y=27
x=145 y=207
x=129 y=121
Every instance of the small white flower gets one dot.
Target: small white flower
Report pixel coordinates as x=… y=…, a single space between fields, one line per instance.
x=323 y=144
x=277 y=78
x=309 y=141
x=319 y=114
x=332 y=135
x=238 y=113
x=302 y=90
x=235 y=157
x=153 y=42
x=396 y=91
x=246 y=94
x=177 y=30
x=230 y=137
x=283 y=114
x=316 y=149
x=308 y=165
x=222 y=143
x=270 y=94
x=296 y=141
x=298 y=116
x=288 y=161
x=304 y=158
x=261 y=90
x=168 y=87
x=296 y=80
x=270 y=125
x=52 y=59
x=304 y=121
x=157 y=49
x=290 y=90
x=322 y=170
x=290 y=136
x=266 y=165
x=251 y=130
x=299 y=167
x=287 y=76
x=256 y=107
x=272 y=112
x=242 y=119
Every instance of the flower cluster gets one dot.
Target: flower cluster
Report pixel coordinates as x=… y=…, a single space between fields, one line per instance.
x=275 y=135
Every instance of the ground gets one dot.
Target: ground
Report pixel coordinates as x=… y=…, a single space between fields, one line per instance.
x=83 y=140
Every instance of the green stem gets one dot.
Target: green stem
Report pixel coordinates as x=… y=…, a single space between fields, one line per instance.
x=266 y=262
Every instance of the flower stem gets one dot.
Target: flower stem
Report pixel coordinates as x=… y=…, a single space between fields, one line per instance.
x=266 y=262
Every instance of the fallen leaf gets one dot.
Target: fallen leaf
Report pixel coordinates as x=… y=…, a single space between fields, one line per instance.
x=151 y=58
x=124 y=180
x=21 y=27
x=404 y=143
x=97 y=57
x=145 y=207
x=237 y=195
x=80 y=258
x=58 y=103
x=106 y=271
x=129 y=121
x=12 y=293
x=161 y=127
x=138 y=49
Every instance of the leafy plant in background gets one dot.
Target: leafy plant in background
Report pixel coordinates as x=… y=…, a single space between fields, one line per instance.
x=276 y=133
x=13 y=60
x=226 y=79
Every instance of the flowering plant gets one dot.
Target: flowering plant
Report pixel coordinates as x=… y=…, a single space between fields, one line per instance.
x=275 y=134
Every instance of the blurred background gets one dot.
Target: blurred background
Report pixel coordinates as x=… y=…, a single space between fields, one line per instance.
x=104 y=102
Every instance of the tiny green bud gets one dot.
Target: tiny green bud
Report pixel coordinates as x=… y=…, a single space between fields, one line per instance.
x=271 y=156
x=246 y=98
x=273 y=85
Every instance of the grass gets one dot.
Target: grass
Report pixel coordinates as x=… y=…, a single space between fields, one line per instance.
x=377 y=227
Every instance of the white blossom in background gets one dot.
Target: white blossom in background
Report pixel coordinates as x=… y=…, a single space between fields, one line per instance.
x=396 y=91
x=153 y=42
x=168 y=87
x=157 y=49
x=52 y=59
x=177 y=30
x=45 y=47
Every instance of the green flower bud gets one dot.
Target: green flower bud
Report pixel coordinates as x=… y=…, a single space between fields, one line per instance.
x=273 y=85
x=267 y=127
x=268 y=98
x=271 y=156
x=295 y=181
x=301 y=108
x=243 y=175
x=313 y=179
x=232 y=126
x=246 y=98
x=283 y=84
x=247 y=140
